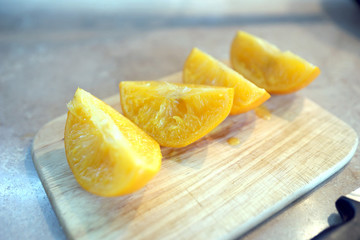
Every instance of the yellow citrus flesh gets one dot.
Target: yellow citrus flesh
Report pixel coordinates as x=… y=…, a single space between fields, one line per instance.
x=201 y=68
x=175 y=115
x=269 y=68
x=107 y=153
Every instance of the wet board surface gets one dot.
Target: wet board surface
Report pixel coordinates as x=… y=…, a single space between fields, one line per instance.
x=209 y=189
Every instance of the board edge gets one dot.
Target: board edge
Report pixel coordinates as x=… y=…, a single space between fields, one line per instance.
x=265 y=215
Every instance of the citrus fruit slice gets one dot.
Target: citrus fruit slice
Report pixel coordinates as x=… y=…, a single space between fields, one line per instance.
x=107 y=153
x=175 y=115
x=201 y=68
x=269 y=68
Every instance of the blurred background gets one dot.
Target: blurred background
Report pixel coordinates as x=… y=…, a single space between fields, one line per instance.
x=49 y=48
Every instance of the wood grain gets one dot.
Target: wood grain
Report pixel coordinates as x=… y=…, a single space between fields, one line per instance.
x=209 y=189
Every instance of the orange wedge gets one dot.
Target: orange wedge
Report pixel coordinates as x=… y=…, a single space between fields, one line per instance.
x=107 y=153
x=175 y=115
x=201 y=68
x=269 y=68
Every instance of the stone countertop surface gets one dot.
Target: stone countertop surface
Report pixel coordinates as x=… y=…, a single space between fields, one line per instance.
x=48 y=49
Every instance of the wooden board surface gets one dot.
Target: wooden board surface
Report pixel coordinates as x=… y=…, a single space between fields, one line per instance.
x=209 y=189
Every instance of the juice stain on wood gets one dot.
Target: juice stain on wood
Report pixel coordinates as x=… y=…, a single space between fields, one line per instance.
x=233 y=141
x=263 y=112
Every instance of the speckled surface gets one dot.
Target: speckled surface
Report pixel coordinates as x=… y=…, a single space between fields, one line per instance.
x=49 y=49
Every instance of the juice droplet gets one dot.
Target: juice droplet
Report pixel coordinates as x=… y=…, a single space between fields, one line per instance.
x=263 y=112
x=233 y=141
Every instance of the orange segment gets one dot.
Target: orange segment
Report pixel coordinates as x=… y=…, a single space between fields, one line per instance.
x=175 y=115
x=201 y=68
x=107 y=153
x=266 y=66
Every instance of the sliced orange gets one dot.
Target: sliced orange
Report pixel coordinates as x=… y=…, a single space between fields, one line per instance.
x=107 y=153
x=269 y=68
x=175 y=115
x=201 y=68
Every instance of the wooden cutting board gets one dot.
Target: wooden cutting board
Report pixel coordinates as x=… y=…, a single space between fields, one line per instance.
x=209 y=189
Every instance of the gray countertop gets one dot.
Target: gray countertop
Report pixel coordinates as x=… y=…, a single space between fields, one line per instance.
x=48 y=49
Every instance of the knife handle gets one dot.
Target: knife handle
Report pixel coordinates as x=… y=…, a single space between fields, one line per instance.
x=349 y=228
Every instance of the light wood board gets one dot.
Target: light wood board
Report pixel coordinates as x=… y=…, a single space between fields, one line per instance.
x=209 y=189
